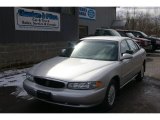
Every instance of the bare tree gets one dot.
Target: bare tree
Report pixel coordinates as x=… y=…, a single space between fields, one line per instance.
x=144 y=21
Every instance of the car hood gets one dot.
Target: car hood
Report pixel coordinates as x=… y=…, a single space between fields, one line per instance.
x=142 y=39
x=154 y=38
x=63 y=68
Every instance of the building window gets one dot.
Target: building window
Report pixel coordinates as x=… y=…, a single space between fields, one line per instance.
x=83 y=31
x=68 y=10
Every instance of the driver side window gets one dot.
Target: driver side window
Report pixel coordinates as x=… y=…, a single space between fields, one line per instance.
x=124 y=47
x=132 y=46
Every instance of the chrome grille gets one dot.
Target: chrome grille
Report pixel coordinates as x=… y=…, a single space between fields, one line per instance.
x=49 y=83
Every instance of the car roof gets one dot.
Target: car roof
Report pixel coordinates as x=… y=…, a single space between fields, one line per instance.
x=121 y=30
x=104 y=29
x=109 y=38
x=128 y=30
x=133 y=31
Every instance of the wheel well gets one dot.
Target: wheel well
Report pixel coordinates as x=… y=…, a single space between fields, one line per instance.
x=117 y=80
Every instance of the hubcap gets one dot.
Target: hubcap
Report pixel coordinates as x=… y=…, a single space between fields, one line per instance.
x=111 y=95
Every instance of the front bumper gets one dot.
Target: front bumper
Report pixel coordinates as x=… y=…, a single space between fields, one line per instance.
x=66 y=97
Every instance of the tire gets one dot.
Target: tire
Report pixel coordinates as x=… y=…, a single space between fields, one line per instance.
x=111 y=95
x=140 y=74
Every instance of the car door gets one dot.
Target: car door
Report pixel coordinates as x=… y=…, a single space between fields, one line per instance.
x=126 y=64
x=136 y=60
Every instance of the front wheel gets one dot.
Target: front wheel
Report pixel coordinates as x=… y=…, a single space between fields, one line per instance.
x=110 y=97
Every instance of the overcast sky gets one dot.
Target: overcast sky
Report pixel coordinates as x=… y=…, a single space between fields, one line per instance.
x=152 y=10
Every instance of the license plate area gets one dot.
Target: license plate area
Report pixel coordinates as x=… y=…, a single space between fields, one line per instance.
x=44 y=95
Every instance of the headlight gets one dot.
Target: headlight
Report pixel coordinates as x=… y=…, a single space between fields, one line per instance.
x=29 y=77
x=84 y=85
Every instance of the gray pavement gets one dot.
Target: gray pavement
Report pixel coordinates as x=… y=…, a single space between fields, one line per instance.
x=136 y=97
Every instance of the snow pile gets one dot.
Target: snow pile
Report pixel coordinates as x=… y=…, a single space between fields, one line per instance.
x=17 y=81
x=13 y=72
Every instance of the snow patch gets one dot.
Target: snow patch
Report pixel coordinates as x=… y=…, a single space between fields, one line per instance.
x=17 y=81
x=13 y=72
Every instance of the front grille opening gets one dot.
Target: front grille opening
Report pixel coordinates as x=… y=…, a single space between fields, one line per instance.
x=49 y=83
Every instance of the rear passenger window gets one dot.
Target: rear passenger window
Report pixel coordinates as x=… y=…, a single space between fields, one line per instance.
x=132 y=46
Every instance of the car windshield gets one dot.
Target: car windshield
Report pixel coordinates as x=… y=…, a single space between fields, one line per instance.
x=130 y=35
x=139 y=34
x=103 y=32
x=96 y=50
x=144 y=34
x=106 y=32
x=115 y=33
x=122 y=34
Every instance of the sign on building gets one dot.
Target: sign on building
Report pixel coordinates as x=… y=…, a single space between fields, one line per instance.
x=87 y=13
x=36 y=20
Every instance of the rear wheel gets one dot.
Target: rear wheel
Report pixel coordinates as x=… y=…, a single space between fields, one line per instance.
x=140 y=74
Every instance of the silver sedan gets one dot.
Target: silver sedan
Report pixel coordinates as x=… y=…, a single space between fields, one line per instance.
x=89 y=74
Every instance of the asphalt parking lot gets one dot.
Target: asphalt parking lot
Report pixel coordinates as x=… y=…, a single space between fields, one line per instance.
x=136 y=97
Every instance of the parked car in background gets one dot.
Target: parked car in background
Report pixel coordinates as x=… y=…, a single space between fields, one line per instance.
x=91 y=74
x=154 y=41
x=145 y=43
x=106 y=32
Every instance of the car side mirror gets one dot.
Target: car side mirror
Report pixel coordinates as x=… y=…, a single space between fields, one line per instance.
x=126 y=56
x=63 y=52
x=66 y=52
